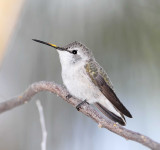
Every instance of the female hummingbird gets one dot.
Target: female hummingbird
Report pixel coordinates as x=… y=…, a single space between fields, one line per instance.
x=86 y=80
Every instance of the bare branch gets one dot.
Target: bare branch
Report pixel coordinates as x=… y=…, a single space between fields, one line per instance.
x=43 y=126
x=86 y=109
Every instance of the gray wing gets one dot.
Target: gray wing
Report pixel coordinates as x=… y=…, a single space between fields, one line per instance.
x=101 y=80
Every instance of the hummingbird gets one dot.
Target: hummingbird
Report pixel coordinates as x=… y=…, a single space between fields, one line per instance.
x=86 y=80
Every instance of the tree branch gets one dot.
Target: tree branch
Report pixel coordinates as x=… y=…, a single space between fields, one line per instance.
x=43 y=126
x=86 y=109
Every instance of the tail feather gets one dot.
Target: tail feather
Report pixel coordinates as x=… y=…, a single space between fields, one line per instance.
x=111 y=115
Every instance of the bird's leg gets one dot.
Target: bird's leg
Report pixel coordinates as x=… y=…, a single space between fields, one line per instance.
x=80 y=104
x=68 y=96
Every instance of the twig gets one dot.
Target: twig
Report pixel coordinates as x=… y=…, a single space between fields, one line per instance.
x=86 y=109
x=42 y=121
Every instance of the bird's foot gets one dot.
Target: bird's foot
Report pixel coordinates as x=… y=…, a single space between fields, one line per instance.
x=68 y=96
x=80 y=104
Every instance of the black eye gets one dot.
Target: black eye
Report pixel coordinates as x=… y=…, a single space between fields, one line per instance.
x=74 y=52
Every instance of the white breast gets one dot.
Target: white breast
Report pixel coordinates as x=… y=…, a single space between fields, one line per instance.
x=79 y=84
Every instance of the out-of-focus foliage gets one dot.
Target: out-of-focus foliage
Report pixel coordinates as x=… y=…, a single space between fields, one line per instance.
x=8 y=16
x=124 y=37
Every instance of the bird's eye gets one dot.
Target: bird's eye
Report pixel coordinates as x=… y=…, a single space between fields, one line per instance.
x=74 y=52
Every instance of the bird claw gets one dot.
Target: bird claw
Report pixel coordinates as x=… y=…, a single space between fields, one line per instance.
x=78 y=107
x=68 y=96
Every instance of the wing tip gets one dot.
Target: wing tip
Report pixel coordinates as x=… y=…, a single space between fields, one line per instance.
x=127 y=113
x=121 y=120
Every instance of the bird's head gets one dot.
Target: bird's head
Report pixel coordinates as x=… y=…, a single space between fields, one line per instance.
x=72 y=53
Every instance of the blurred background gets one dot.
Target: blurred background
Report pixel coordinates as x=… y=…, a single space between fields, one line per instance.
x=124 y=36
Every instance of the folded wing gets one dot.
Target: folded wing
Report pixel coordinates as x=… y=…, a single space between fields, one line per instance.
x=100 y=79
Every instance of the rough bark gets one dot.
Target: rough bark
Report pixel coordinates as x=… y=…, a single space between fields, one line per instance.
x=85 y=109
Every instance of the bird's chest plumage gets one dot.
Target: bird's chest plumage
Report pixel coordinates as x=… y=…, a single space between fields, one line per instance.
x=79 y=84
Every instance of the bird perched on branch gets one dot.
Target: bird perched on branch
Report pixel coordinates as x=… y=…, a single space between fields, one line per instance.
x=86 y=80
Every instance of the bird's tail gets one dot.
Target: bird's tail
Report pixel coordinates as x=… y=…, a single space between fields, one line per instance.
x=120 y=119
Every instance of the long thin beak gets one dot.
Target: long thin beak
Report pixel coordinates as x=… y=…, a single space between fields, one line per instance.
x=52 y=45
